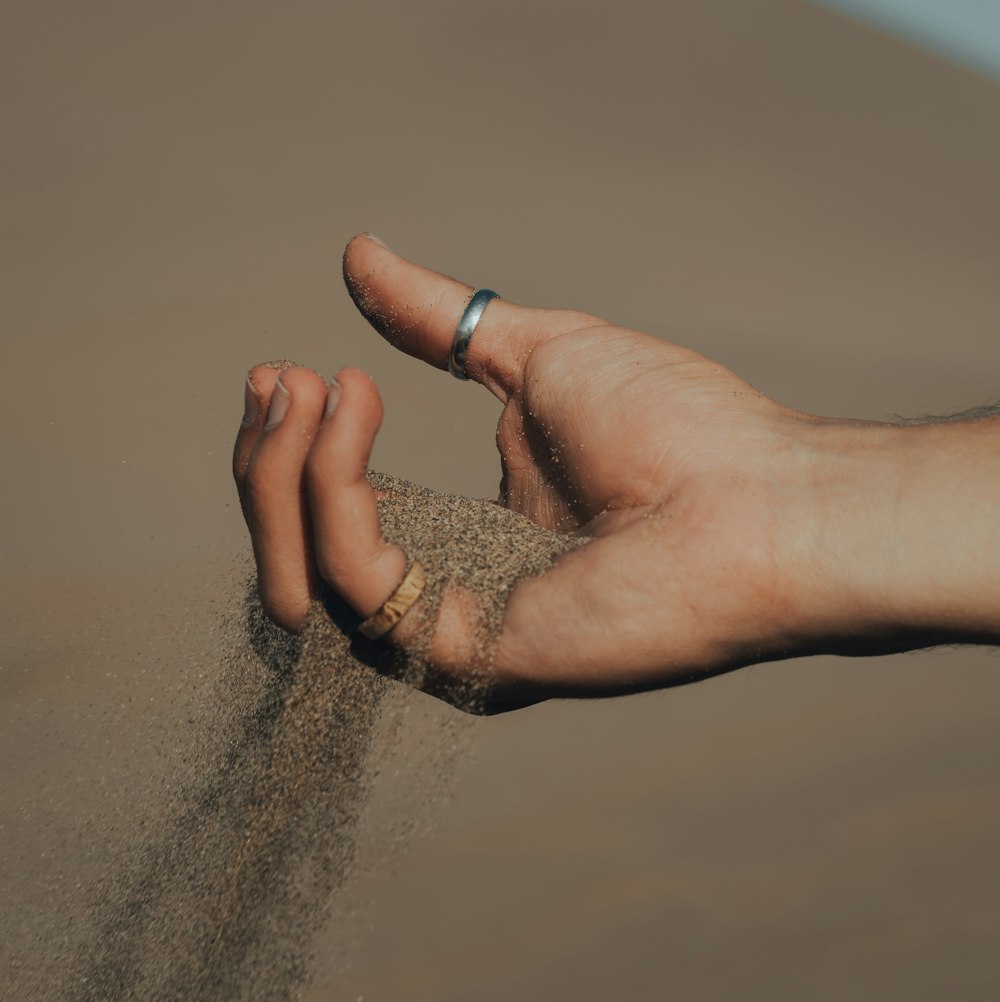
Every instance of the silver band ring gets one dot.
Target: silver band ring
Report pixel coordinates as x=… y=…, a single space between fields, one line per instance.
x=466 y=328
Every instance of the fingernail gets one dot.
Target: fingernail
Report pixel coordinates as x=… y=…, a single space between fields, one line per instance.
x=280 y=400
x=332 y=397
x=251 y=404
x=378 y=240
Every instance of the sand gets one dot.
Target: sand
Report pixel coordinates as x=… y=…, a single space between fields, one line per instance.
x=225 y=899
x=470 y=549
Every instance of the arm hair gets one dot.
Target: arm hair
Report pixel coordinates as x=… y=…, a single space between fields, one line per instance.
x=970 y=414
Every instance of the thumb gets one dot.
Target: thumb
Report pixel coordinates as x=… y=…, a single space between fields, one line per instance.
x=418 y=310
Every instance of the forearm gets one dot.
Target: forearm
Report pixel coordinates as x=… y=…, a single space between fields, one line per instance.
x=949 y=524
x=909 y=538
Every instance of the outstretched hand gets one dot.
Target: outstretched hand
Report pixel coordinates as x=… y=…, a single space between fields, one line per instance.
x=715 y=512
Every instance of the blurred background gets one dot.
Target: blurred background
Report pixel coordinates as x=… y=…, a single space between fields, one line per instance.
x=806 y=193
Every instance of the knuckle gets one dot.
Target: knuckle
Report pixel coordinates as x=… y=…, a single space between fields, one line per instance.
x=567 y=321
x=507 y=438
x=331 y=569
x=284 y=601
x=288 y=615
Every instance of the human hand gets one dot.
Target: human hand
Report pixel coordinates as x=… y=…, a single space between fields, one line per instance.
x=727 y=529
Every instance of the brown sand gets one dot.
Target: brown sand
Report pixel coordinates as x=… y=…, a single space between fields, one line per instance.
x=471 y=546
x=225 y=901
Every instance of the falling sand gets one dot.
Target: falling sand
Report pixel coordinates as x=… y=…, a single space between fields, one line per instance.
x=225 y=899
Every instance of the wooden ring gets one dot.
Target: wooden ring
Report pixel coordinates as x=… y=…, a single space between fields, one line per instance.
x=397 y=605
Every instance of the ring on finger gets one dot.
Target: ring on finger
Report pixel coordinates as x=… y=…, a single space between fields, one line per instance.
x=466 y=328
x=397 y=605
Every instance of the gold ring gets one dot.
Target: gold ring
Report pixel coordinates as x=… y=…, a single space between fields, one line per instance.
x=397 y=605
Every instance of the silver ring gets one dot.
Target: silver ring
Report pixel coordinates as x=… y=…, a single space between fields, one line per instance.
x=466 y=328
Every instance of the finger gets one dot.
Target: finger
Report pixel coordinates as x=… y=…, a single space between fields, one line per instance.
x=351 y=554
x=274 y=499
x=257 y=390
x=418 y=311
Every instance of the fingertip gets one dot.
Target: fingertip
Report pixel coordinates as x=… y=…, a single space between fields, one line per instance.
x=280 y=401
x=306 y=385
x=362 y=246
x=258 y=388
x=346 y=437
x=351 y=373
x=359 y=266
x=360 y=394
x=261 y=379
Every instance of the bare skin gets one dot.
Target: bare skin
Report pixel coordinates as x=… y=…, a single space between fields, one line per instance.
x=729 y=529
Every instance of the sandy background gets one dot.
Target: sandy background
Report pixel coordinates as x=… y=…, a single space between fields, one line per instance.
x=806 y=200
